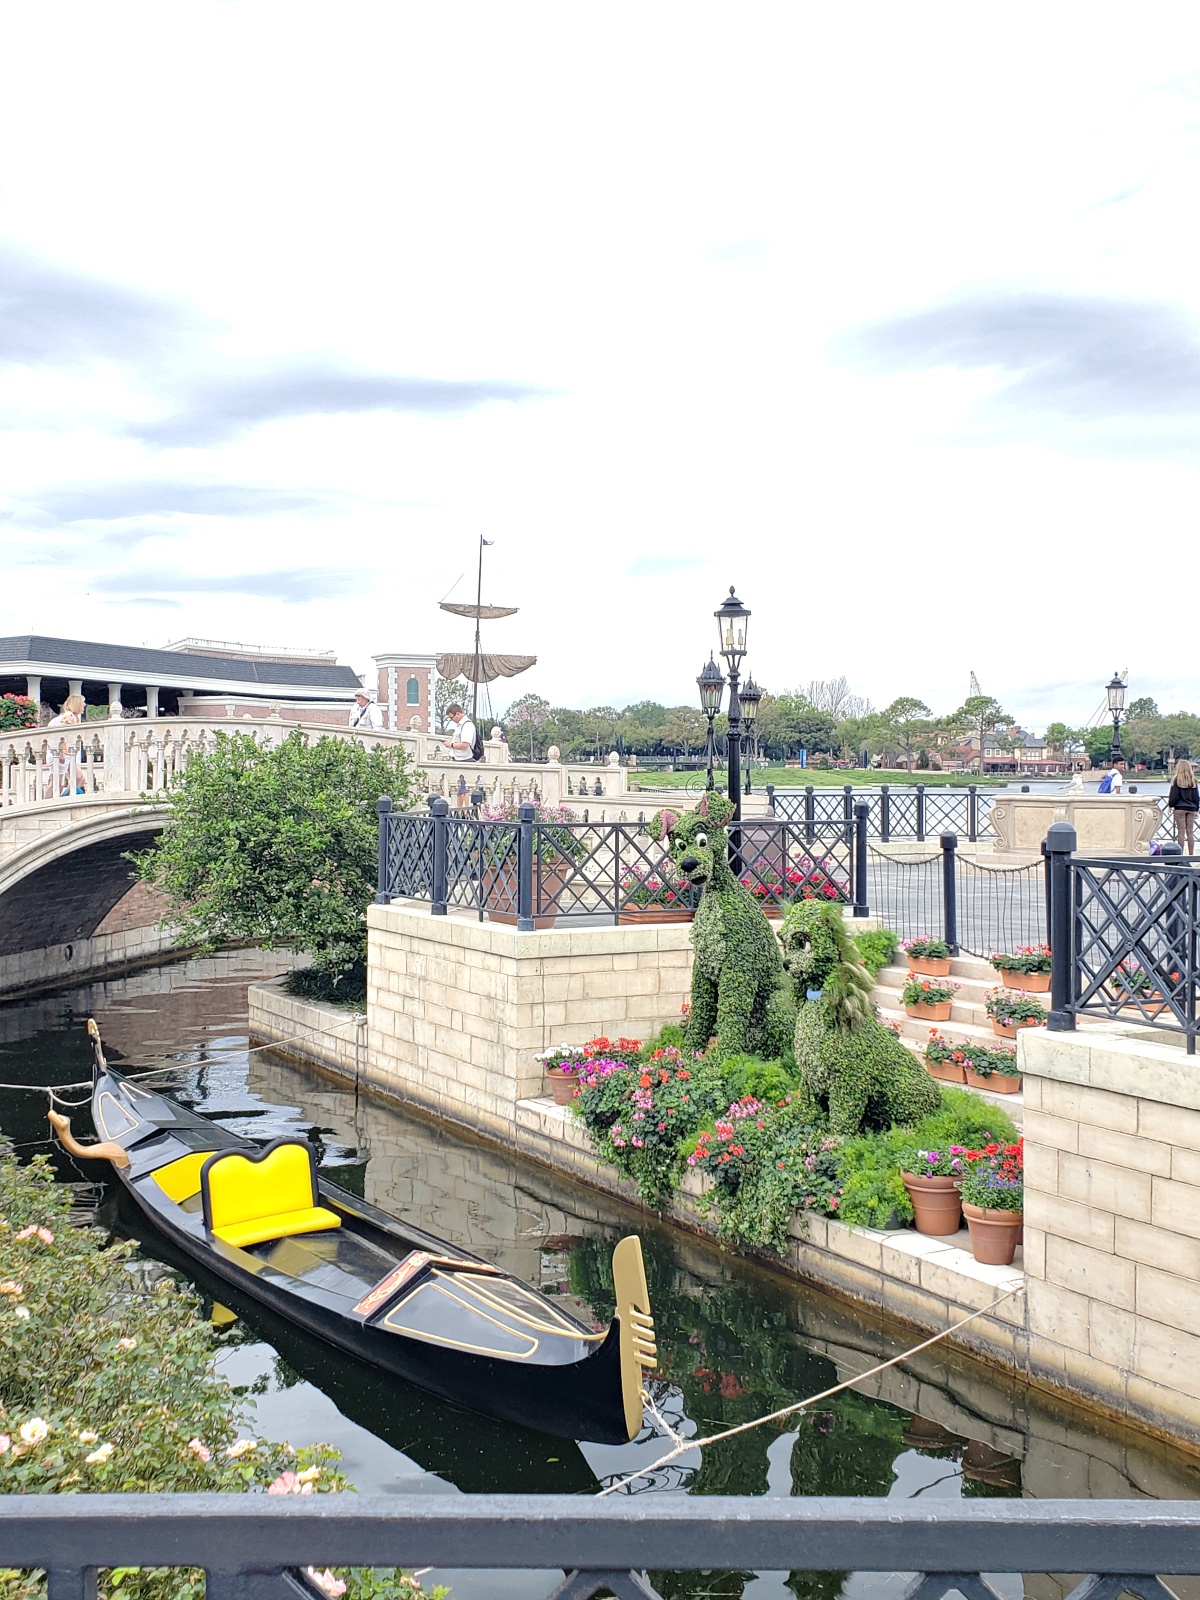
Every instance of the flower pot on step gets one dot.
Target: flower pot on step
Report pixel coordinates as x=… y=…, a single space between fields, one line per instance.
x=562 y=1085
x=936 y=1203
x=996 y=1082
x=995 y=1235
x=947 y=1071
x=930 y=966
x=939 y=1011
x=1008 y=1030
x=1031 y=982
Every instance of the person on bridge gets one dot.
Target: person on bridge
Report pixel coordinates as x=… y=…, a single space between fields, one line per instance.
x=366 y=714
x=1184 y=801
x=65 y=760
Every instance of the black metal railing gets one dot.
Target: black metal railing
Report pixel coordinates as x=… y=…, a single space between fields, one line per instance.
x=916 y=811
x=1124 y=931
x=532 y=873
x=976 y=908
x=251 y=1547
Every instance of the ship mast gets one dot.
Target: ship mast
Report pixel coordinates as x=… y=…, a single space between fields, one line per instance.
x=478 y=610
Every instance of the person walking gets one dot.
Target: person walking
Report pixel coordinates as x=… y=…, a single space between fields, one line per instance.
x=366 y=714
x=1184 y=801
x=65 y=761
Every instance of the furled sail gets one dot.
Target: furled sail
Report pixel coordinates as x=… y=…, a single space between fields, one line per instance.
x=478 y=611
x=482 y=668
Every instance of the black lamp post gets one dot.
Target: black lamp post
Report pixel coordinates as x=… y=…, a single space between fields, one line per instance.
x=711 y=684
x=733 y=621
x=1116 y=704
x=750 y=697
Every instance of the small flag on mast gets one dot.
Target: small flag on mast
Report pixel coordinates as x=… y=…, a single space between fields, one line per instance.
x=487 y=541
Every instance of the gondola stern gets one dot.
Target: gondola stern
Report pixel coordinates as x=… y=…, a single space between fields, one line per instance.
x=639 y=1350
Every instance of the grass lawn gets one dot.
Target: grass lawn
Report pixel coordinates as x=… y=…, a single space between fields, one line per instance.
x=797 y=777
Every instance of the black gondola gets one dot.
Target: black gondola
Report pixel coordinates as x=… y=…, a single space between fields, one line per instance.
x=391 y=1294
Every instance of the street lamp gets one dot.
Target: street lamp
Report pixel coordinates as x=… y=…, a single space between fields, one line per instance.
x=1116 y=704
x=750 y=697
x=733 y=620
x=711 y=684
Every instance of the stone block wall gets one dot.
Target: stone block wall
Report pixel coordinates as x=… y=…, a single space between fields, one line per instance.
x=458 y=1010
x=1112 y=1221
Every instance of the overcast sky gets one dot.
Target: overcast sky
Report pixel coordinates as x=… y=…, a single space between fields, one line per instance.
x=888 y=314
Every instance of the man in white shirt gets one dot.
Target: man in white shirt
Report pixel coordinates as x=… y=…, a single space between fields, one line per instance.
x=461 y=744
x=366 y=714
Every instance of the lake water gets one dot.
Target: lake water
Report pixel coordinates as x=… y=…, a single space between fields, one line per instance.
x=735 y=1340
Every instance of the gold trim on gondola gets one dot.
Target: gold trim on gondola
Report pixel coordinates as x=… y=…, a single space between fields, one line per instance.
x=391 y=1320
x=639 y=1352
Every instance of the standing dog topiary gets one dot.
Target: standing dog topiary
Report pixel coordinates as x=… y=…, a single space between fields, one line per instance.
x=740 y=991
x=851 y=1066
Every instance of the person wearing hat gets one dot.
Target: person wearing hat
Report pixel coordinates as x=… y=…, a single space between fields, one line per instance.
x=366 y=714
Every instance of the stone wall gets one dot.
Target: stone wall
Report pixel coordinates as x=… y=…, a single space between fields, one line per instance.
x=27 y=970
x=1112 y=1222
x=458 y=1010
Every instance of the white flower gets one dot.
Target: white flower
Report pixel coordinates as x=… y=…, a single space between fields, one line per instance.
x=240 y=1448
x=88 y=1437
x=309 y=1475
x=5 y=1441
x=98 y=1456
x=23 y=1313
x=34 y=1431
x=126 y=1344
x=325 y=1580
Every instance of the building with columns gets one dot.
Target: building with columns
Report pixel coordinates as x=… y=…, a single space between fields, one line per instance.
x=406 y=690
x=196 y=678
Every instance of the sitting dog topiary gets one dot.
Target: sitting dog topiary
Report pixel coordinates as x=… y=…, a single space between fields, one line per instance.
x=851 y=1066
x=740 y=991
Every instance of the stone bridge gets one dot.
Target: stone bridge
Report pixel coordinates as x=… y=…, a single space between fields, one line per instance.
x=74 y=802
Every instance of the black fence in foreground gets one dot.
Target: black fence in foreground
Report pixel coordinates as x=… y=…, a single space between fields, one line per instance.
x=532 y=873
x=254 y=1548
x=1124 y=931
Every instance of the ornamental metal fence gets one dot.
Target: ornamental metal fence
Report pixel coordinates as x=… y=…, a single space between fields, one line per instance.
x=532 y=873
x=917 y=811
x=251 y=1547
x=1124 y=932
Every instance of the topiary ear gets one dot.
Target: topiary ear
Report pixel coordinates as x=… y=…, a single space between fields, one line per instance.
x=661 y=825
x=715 y=808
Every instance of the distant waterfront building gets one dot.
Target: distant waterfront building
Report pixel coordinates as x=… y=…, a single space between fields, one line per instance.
x=406 y=690
x=191 y=678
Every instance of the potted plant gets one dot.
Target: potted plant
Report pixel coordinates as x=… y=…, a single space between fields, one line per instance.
x=802 y=881
x=931 y=1178
x=993 y=1201
x=928 y=956
x=996 y=1070
x=932 y=1001
x=563 y=1064
x=17 y=711
x=944 y=1060
x=1028 y=968
x=1138 y=991
x=1010 y=1010
x=557 y=846
x=647 y=897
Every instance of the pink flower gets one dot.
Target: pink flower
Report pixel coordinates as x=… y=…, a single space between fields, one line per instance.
x=289 y=1483
x=199 y=1449
x=34 y=1232
x=5 y=1442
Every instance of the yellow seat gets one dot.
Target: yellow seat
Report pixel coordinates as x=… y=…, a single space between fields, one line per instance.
x=249 y=1199
x=179 y=1180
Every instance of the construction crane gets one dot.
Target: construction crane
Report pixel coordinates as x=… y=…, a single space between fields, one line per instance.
x=1102 y=712
x=975 y=689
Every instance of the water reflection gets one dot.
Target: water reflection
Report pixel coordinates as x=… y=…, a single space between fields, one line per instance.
x=734 y=1341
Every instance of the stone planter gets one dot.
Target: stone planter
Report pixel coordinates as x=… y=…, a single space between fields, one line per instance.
x=995 y=1235
x=929 y=966
x=947 y=1071
x=938 y=1012
x=996 y=1082
x=562 y=1085
x=650 y=916
x=1031 y=982
x=937 y=1206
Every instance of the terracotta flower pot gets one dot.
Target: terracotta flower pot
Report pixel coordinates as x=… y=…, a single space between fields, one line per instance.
x=947 y=1071
x=929 y=966
x=562 y=1085
x=937 y=1206
x=650 y=916
x=1031 y=982
x=995 y=1235
x=996 y=1082
x=500 y=890
x=937 y=1012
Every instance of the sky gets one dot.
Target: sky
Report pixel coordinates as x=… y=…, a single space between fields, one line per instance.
x=886 y=314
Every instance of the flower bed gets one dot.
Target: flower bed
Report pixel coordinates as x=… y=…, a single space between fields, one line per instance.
x=17 y=711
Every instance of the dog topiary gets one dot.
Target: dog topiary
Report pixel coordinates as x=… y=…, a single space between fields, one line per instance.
x=740 y=991
x=851 y=1067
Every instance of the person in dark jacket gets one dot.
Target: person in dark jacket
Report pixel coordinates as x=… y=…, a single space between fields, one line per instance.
x=1184 y=801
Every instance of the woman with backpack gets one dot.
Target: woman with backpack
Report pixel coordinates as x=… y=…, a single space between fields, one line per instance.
x=1184 y=801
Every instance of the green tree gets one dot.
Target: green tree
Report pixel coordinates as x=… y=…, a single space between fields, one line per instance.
x=903 y=720
x=980 y=713
x=1098 y=744
x=278 y=846
x=448 y=692
x=530 y=716
x=1143 y=709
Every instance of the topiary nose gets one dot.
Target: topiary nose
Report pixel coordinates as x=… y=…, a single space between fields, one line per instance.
x=689 y=864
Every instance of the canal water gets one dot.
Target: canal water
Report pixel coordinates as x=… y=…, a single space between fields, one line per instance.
x=735 y=1341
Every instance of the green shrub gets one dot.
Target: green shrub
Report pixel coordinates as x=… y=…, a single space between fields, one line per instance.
x=108 y=1384
x=877 y=949
x=964 y=1119
x=750 y=1076
x=873 y=1195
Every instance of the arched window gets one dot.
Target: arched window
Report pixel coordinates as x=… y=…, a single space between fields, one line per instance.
x=412 y=694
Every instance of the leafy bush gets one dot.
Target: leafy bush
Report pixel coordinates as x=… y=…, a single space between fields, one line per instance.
x=108 y=1383
x=873 y=1193
x=751 y=1077
x=877 y=949
x=767 y=1167
x=277 y=846
x=347 y=987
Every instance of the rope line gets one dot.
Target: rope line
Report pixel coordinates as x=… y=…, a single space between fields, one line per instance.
x=684 y=1445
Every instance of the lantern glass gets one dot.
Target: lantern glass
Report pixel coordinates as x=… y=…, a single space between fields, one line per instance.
x=1116 y=694
x=733 y=622
x=750 y=696
x=711 y=684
